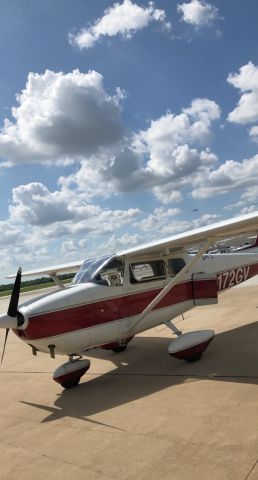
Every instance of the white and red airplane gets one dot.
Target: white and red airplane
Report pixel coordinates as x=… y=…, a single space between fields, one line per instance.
x=114 y=297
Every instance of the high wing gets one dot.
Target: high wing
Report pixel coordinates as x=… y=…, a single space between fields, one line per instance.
x=52 y=270
x=245 y=224
x=234 y=227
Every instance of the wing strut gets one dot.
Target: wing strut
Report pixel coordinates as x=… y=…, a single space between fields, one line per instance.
x=171 y=284
x=57 y=281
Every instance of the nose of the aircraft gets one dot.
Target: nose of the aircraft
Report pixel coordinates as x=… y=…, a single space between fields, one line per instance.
x=13 y=319
x=8 y=322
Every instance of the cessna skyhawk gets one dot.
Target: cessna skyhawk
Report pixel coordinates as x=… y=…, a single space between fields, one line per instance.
x=114 y=297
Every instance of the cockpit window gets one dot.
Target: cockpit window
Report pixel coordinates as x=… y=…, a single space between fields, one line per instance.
x=90 y=269
x=107 y=270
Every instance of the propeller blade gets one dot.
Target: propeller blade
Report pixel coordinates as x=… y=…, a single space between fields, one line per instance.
x=13 y=305
x=5 y=340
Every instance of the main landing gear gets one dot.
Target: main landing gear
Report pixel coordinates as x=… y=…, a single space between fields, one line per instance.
x=117 y=347
x=120 y=347
x=189 y=346
x=69 y=374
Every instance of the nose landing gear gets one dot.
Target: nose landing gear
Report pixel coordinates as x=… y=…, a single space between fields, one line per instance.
x=69 y=374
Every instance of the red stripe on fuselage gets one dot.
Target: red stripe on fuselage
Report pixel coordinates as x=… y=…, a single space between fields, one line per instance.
x=89 y=315
x=105 y=311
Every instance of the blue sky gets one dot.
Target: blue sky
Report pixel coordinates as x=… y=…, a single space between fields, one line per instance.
x=118 y=120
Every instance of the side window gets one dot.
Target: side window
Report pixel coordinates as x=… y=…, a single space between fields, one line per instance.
x=145 y=271
x=176 y=264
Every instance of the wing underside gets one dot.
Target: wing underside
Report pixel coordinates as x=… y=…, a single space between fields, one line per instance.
x=52 y=270
x=234 y=227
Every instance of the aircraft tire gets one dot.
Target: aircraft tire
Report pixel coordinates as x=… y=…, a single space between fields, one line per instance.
x=71 y=383
x=120 y=348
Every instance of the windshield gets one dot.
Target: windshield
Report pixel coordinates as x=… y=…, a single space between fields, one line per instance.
x=90 y=268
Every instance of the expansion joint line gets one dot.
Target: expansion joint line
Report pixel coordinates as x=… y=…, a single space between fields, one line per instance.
x=252 y=469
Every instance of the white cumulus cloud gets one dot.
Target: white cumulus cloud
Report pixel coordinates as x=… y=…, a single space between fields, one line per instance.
x=168 y=193
x=120 y=242
x=170 y=152
x=120 y=19
x=246 y=81
x=192 y=126
x=253 y=132
x=34 y=204
x=174 y=227
x=198 y=13
x=60 y=118
x=157 y=219
x=42 y=224
x=70 y=117
x=9 y=234
x=63 y=211
x=231 y=175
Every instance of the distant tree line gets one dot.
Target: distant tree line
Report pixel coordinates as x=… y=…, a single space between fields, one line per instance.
x=36 y=281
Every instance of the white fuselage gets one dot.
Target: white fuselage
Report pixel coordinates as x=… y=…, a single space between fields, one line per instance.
x=88 y=315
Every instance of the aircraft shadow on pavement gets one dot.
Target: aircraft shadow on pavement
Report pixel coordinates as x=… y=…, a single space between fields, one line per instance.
x=146 y=368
